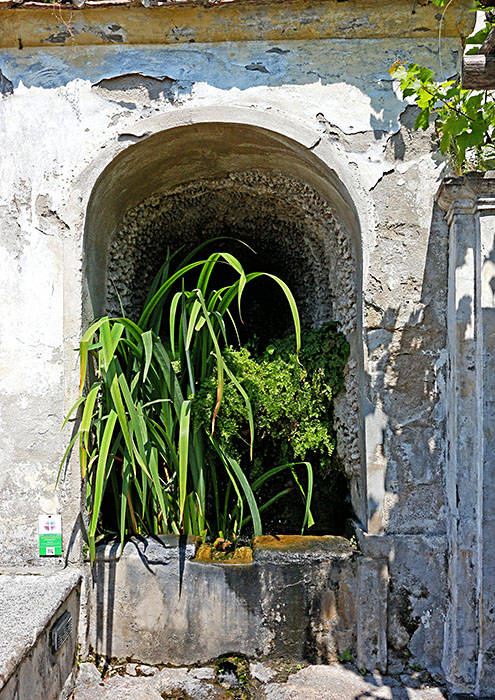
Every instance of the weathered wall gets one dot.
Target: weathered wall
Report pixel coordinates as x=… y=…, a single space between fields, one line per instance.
x=71 y=114
x=88 y=22
x=58 y=132
x=295 y=601
x=469 y=656
x=31 y=605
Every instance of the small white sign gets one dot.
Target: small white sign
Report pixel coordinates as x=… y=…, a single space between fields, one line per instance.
x=50 y=525
x=50 y=535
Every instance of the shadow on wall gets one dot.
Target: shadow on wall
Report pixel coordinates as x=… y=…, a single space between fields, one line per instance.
x=406 y=394
x=407 y=375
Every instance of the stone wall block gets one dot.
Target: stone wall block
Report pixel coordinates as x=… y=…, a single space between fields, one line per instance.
x=155 y=604
x=29 y=668
x=469 y=651
x=372 y=595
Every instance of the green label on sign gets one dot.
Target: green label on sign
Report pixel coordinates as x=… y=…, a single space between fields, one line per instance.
x=50 y=545
x=50 y=535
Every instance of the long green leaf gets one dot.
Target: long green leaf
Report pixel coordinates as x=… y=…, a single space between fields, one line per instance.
x=247 y=404
x=74 y=407
x=158 y=487
x=87 y=415
x=290 y=298
x=218 y=356
x=100 y=476
x=172 y=317
x=66 y=454
x=147 y=339
x=184 y=421
x=248 y=492
x=308 y=518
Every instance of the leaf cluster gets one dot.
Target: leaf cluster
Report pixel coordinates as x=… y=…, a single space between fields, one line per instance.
x=148 y=467
x=478 y=5
x=292 y=399
x=464 y=120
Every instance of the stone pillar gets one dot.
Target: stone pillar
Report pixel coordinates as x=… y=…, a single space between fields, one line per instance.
x=469 y=651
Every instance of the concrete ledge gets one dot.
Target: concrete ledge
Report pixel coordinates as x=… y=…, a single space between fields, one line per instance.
x=154 y=604
x=286 y=549
x=29 y=605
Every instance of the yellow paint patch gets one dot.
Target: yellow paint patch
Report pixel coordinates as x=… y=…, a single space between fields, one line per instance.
x=231 y=21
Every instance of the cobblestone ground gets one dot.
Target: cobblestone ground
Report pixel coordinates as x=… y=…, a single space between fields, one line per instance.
x=255 y=681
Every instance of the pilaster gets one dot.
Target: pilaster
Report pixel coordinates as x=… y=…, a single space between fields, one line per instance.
x=469 y=204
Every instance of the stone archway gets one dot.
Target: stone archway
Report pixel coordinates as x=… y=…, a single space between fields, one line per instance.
x=237 y=165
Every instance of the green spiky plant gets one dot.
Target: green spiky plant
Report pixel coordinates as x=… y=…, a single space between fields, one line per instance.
x=138 y=446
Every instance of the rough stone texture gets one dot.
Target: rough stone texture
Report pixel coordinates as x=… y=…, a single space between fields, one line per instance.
x=155 y=605
x=170 y=682
x=372 y=590
x=261 y=672
x=332 y=682
x=402 y=605
x=416 y=602
x=29 y=605
x=296 y=547
x=89 y=135
x=340 y=683
x=291 y=228
x=88 y=673
x=405 y=313
x=469 y=657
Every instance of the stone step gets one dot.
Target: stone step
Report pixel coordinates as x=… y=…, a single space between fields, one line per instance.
x=337 y=682
x=30 y=604
x=332 y=682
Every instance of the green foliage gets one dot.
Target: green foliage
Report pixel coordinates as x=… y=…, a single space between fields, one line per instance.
x=291 y=397
x=464 y=120
x=139 y=449
x=346 y=656
x=478 y=5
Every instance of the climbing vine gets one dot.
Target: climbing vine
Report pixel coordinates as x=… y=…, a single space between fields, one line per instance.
x=464 y=120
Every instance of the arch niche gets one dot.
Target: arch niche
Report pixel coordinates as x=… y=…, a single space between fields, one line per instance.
x=256 y=177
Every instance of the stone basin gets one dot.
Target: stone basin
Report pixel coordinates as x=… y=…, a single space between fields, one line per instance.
x=155 y=604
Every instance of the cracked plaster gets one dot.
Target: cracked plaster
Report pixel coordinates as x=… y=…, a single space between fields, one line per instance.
x=71 y=113
x=64 y=101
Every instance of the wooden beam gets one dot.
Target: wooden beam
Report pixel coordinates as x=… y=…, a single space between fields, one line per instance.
x=478 y=72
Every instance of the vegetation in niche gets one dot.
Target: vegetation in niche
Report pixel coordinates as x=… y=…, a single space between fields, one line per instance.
x=233 y=674
x=464 y=120
x=177 y=434
x=292 y=400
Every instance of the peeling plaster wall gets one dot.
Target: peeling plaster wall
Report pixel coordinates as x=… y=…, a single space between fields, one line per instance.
x=74 y=108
